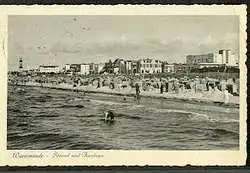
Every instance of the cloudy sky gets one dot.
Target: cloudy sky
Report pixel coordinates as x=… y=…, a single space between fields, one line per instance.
x=58 y=40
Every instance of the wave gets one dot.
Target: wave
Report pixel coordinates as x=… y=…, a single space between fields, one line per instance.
x=176 y=111
x=85 y=116
x=122 y=115
x=117 y=116
x=38 y=137
x=10 y=122
x=218 y=132
x=22 y=124
x=16 y=110
x=108 y=102
x=192 y=115
x=128 y=116
x=43 y=98
x=47 y=116
x=72 y=106
x=75 y=99
x=137 y=106
x=88 y=146
x=90 y=115
x=226 y=120
x=61 y=106
x=201 y=116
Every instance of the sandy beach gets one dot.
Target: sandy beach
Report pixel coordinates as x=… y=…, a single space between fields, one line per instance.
x=215 y=96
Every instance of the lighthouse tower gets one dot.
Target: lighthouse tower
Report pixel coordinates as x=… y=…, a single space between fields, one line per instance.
x=20 y=67
x=20 y=64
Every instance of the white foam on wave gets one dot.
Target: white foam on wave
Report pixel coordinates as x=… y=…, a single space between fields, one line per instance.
x=191 y=115
x=195 y=115
x=137 y=106
x=108 y=102
x=198 y=116
x=177 y=111
x=76 y=99
x=225 y=120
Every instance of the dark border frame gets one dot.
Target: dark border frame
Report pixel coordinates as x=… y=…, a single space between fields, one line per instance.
x=130 y=169
x=116 y=2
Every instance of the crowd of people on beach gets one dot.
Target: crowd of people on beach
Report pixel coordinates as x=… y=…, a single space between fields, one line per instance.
x=139 y=83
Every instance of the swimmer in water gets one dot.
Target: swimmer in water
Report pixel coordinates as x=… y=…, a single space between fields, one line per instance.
x=109 y=116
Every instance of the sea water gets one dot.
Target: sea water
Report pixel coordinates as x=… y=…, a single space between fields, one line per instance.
x=43 y=118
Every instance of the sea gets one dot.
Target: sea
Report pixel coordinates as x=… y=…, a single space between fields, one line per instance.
x=50 y=119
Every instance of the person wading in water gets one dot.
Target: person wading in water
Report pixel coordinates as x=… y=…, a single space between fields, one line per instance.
x=137 y=92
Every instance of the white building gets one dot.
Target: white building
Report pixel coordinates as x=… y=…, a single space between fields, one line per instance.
x=128 y=67
x=67 y=67
x=84 y=69
x=100 y=67
x=225 y=57
x=49 y=69
x=168 y=68
x=150 y=66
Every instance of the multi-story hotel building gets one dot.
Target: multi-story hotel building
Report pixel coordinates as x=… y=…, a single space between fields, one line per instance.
x=226 y=57
x=219 y=57
x=131 y=66
x=149 y=66
x=84 y=69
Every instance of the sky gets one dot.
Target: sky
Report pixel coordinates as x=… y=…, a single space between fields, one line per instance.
x=60 y=40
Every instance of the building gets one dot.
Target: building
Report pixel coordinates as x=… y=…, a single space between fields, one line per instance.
x=116 y=70
x=149 y=66
x=202 y=58
x=75 y=68
x=92 y=68
x=219 y=57
x=135 y=67
x=128 y=67
x=131 y=67
x=100 y=67
x=167 y=68
x=67 y=67
x=108 y=67
x=84 y=69
x=188 y=68
x=225 y=57
x=122 y=66
x=182 y=68
x=119 y=64
x=207 y=65
x=49 y=69
x=96 y=69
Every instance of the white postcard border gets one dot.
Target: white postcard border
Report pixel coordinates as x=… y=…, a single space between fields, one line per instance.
x=121 y=157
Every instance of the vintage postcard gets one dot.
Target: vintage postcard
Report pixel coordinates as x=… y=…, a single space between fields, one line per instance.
x=123 y=85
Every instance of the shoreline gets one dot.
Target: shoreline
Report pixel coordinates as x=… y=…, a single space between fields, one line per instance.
x=198 y=98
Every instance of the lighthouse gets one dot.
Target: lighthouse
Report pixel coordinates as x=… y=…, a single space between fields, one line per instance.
x=20 y=64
